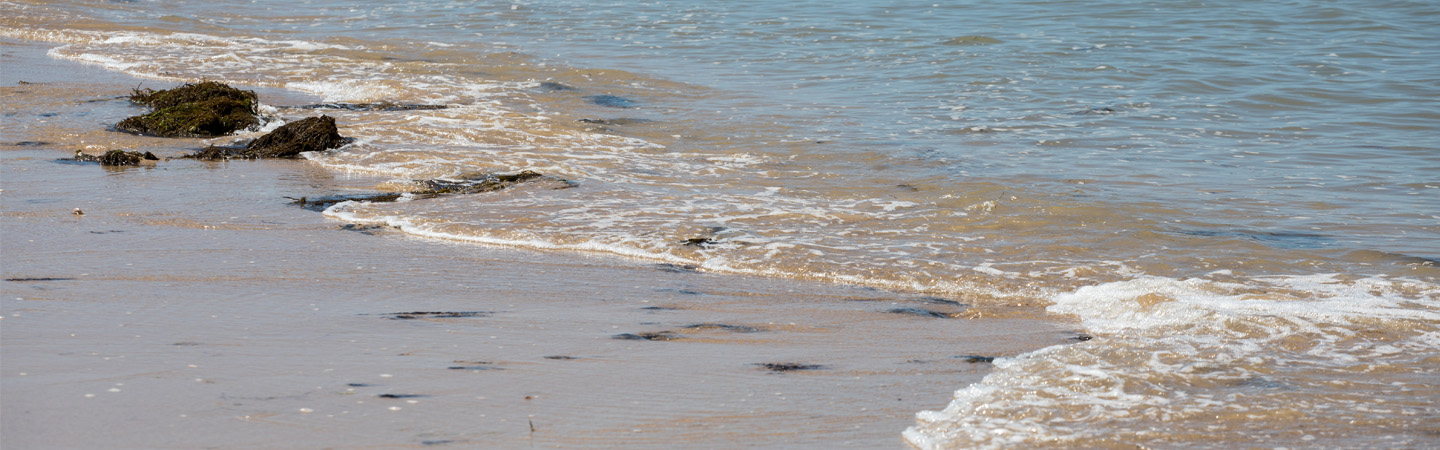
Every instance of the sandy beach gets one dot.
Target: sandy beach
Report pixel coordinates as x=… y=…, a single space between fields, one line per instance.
x=191 y=306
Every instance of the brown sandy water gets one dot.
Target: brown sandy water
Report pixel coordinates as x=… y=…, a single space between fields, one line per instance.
x=191 y=307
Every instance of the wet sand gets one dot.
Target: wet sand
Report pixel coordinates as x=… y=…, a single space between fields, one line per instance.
x=191 y=306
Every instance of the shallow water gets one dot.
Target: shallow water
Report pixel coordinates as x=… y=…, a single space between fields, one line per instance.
x=1253 y=165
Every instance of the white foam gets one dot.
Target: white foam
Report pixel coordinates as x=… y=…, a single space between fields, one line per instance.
x=1169 y=349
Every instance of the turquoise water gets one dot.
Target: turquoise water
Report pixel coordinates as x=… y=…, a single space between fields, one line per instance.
x=1239 y=198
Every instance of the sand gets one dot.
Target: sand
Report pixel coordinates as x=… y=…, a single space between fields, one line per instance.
x=191 y=306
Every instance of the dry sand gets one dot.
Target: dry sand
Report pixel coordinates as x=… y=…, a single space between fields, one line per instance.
x=192 y=307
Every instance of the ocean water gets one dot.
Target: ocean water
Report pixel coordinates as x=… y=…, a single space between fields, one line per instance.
x=1239 y=200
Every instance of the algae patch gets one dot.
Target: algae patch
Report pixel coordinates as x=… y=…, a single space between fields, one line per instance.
x=205 y=109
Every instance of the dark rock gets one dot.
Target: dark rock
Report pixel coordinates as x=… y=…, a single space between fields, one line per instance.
x=400 y=396
x=562 y=357
x=309 y=135
x=289 y=141
x=216 y=153
x=204 y=109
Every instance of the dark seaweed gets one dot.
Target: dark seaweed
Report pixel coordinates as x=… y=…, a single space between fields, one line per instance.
x=437 y=314
x=40 y=279
x=939 y=301
x=430 y=189
x=722 y=326
x=364 y=229
x=790 y=367
x=648 y=336
x=611 y=101
x=475 y=365
x=619 y=121
x=205 y=109
x=921 y=312
x=378 y=106
x=702 y=242
x=400 y=396
x=320 y=203
x=977 y=358
x=678 y=268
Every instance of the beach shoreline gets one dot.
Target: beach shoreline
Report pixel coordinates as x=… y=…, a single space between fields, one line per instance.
x=191 y=306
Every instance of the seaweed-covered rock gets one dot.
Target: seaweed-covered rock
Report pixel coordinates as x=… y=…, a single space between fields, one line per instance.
x=475 y=185
x=117 y=158
x=308 y=135
x=288 y=141
x=204 y=109
x=217 y=153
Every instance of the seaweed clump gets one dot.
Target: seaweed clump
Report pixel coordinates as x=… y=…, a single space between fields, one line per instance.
x=289 y=141
x=205 y=109
x=117 y=158
x=308 y=135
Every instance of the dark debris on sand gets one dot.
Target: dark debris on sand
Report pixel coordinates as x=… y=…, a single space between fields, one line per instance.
x=789 y=367
x=976 y=358
x=723 y=326
x=648 y=336
x=437 y=314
